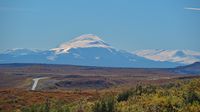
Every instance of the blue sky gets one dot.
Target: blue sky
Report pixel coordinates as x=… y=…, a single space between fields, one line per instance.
x=125 y=24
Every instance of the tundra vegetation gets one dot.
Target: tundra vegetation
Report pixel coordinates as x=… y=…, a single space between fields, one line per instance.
x=180 y=96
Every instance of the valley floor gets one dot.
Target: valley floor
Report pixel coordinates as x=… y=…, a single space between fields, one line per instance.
x=176 y=96
x=64 y=88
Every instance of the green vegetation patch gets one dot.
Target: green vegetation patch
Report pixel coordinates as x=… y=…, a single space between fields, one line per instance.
x=181 y=96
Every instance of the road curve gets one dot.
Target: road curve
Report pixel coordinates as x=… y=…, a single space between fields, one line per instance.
x=35 y=80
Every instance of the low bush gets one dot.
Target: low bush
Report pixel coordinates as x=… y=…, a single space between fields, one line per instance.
x=106 y=104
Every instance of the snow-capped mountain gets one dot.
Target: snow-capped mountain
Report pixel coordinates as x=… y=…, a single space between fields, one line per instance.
x=86 y=50
x=84 y=41
x=176 y=56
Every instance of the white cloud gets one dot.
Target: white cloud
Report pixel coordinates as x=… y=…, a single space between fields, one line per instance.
x=190 y=8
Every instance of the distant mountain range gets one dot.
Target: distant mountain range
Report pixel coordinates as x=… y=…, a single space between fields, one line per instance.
x=90 y=50
x=176 y=56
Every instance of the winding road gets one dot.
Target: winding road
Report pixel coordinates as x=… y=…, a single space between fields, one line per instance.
x=35 y=80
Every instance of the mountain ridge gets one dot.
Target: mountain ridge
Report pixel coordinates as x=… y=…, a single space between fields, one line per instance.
x=85 y=50
x=177 y=56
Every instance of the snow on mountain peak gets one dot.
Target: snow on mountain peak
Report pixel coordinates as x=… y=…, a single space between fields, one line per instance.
x=20 y=50
x=180 y=56
x=83 y=41
x=87 y=37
